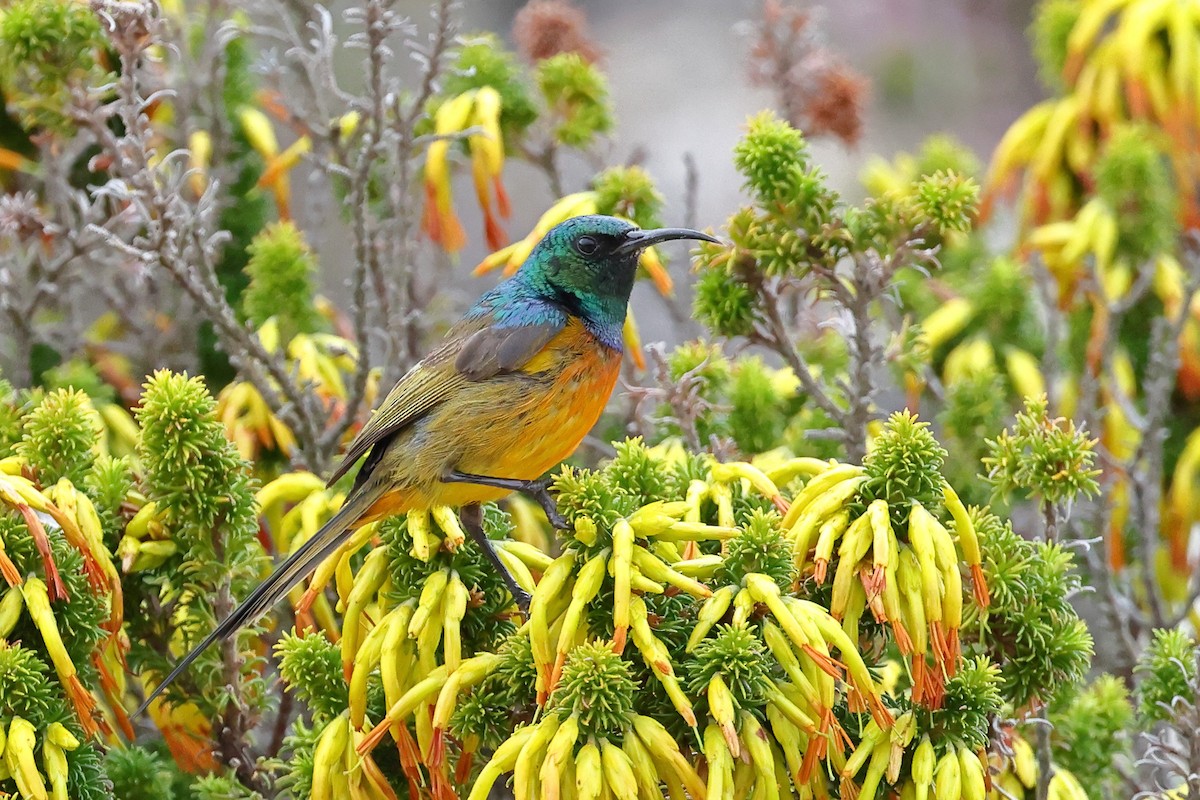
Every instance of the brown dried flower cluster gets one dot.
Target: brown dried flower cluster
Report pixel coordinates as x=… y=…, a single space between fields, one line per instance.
x=817 y=91
x=545 y=28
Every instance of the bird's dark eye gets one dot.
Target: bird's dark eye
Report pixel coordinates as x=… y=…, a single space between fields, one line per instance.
x=586 y=245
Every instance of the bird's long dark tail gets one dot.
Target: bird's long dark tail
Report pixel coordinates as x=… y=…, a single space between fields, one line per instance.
x=298 y=565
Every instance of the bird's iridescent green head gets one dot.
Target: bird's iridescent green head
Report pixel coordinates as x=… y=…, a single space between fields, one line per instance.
x=587 y=264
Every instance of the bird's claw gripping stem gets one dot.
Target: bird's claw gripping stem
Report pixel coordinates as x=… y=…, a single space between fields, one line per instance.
x=535 y=490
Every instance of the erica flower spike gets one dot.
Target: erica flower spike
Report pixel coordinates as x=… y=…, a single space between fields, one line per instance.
x=477 y=108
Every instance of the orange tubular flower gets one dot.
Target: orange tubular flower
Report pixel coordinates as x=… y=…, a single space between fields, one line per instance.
x=487 y=163
x=13 y=161
x=188 y=735
x=439 y=220
x=261 y=135
x=657 y=272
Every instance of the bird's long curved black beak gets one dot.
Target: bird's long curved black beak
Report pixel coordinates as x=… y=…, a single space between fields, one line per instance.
x=638 y=239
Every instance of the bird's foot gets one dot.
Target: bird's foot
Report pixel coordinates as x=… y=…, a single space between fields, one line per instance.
x=521 y=597
x=539 y=492
x=535 y=490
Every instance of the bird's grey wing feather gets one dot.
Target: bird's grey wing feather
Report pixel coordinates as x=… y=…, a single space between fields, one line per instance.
x=493 y=351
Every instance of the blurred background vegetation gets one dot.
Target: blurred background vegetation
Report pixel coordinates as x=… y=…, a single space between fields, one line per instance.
x=898 y=496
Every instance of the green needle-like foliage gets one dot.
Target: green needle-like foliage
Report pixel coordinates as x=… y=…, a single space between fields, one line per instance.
x=79 y=374
x=1090 y=729
x=1030 y=629
x=139 y=774
x=483 y=61
x=108 y=484
x=942 y=152
x=741 y=659
x=10 y=417
x=947 y=201
x=1168 y=674
x=1003 y=291
x=59 y=437
x=87 y=778
x=904 y=465
x=596 y=689
x=485 y=625
x=772 y=157
x=639 y=473
x=723 y=303
x=1048 y=458
x=188 y=460
x=760 y=405
x=491 y=711
x=205 y=496
x=975 y=407
x=297 y=766
x=26 y=688
x=47 y=49
x=1052 y=24
x=629 y=192
x=590 y=494
x=973 y=698
x=222 y=787
x=704 y=361
x=282 y=269
x=761 y=547
x=311 y=665
x=576 y=94
x=1133 y=177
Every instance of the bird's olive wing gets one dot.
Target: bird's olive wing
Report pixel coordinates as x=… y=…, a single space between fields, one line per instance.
x=495 y=350
x=474 y=350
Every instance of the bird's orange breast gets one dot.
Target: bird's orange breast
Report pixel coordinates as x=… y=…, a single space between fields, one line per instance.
x=516 y=426
x=580 y=374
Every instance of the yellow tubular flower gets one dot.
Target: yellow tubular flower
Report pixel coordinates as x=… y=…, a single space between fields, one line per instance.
x=37 y=601
x=200 y=155
x=572 y=205
x=54 y=760
x=633 y=342
x=503 y=760
x=947 y=321
x=11 y=606
x=18 y=757
x=259 y=131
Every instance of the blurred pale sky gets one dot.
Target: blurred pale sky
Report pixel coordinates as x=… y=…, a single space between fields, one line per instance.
x=678 y=79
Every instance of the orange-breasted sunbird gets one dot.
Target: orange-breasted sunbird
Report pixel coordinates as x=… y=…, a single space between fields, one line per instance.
x=510 y=392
